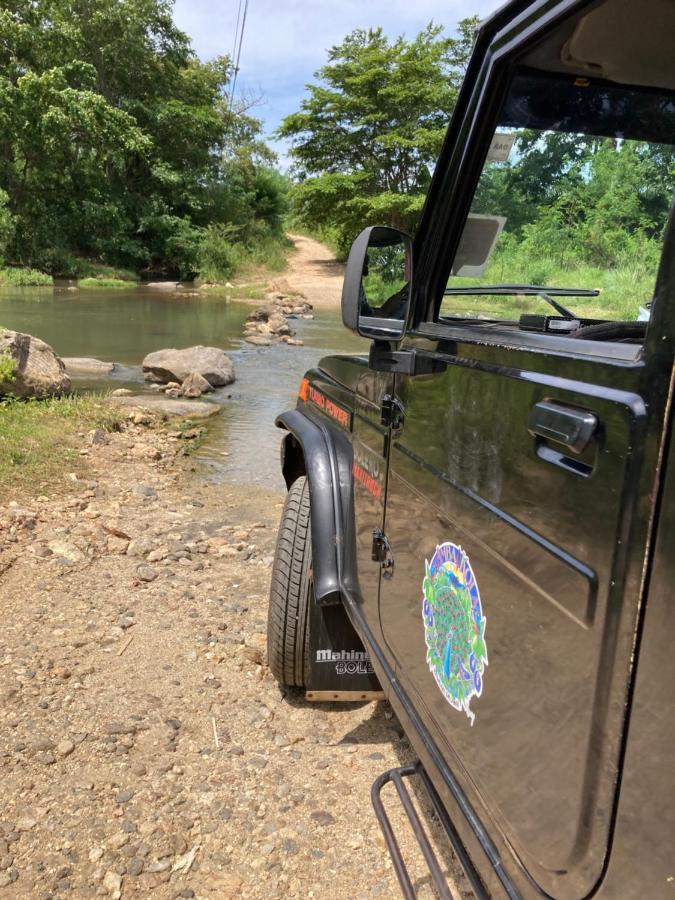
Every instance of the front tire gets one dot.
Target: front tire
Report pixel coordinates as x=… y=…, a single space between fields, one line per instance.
x=291 y=591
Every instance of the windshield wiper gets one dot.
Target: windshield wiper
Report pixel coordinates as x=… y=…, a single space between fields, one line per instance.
x=531 y=290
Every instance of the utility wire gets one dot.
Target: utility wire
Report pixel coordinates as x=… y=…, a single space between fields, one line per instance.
x=241 y=41
x=236 y=33
x=234 y=56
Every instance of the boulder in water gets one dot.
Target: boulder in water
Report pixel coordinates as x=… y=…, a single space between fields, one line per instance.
x=84 y=365
x=38 y=371
x=175 y=365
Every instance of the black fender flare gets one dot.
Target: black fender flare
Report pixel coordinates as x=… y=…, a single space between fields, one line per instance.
x=310 y=448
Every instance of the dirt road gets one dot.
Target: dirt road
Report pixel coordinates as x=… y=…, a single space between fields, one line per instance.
x=315 y=272
x=145 y=748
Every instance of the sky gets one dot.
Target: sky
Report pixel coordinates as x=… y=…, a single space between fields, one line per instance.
x=285 y=41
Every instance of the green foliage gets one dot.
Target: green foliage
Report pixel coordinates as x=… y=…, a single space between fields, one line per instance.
x=624 y=286
x=218 y=255
x=85 y=268
x=7 y=367
x=114 y=283
x=24 y=278
x=368 y=134
x=117 y=144
x=6 y=225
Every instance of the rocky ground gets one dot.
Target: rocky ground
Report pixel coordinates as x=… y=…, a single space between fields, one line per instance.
x=145 y=748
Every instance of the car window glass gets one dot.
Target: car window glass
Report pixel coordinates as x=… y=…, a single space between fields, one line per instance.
x=567 y=220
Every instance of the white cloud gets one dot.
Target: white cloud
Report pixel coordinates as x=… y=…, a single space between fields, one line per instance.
x=286 y=42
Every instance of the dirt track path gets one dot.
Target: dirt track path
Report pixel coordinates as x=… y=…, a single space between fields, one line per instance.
x=313 y=270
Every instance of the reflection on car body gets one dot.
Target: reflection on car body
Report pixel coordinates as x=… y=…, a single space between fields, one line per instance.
x=490 y=525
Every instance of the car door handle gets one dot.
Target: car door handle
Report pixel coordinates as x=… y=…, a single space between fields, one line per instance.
x=565 y=425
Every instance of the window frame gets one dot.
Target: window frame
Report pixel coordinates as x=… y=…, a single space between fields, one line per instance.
x=460 y=165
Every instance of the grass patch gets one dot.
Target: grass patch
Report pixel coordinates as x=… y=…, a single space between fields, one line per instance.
x=15 y=277
x=270 y=255
x=101 y=282
x=39 y=442
x=255 y=291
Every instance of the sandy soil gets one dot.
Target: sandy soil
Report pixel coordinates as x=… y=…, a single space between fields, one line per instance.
x=314 y=271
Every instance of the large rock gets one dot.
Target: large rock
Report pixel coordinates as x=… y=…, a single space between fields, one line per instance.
x=175 y=365
x=84 y=365
x=38 y=371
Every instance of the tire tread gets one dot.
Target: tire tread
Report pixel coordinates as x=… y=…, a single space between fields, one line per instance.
x=291 y=590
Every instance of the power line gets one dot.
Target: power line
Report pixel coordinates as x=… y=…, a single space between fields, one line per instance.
x=241 y=41
x=236 y=32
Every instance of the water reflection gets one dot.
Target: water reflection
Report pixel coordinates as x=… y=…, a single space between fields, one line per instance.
x=121 y=325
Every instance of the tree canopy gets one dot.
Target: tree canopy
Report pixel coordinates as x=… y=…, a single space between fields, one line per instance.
x=368 y=133
x=117 y=143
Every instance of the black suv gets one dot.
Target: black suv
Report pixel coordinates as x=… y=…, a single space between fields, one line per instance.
x=478 y=512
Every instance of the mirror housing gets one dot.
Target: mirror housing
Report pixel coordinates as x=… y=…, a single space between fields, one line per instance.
x=379 y=265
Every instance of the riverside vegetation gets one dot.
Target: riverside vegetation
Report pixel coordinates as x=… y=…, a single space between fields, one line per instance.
x=119 y=149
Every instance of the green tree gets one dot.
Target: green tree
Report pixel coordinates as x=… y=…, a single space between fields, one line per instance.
x=116 y=142
x=368 y=134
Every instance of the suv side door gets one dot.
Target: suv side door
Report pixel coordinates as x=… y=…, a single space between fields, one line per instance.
x=555 y=556
x=520 y=554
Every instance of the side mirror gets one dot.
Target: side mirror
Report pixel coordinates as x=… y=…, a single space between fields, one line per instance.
x=377 y=286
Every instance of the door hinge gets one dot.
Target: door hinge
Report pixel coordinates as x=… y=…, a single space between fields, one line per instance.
x=392 y=413
x=382 y=553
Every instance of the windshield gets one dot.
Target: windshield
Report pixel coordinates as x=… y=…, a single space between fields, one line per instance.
x=574 y=193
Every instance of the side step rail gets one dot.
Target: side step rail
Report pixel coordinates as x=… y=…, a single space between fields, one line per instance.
x=396 y=776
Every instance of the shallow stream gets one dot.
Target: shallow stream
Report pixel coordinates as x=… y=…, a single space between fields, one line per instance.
x=122 y=326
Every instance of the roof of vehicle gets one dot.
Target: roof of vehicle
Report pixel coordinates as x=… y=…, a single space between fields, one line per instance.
x=605 y=40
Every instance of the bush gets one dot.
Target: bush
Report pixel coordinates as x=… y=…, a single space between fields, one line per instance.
x=25 y=278
x=7 y=367
x=218 y=255
x=182 y=248
x=6 y=224
x=86 y=268
x=100 y=282
x=268 y=253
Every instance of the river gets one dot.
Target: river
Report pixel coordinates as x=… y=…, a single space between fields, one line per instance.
x=122 y=326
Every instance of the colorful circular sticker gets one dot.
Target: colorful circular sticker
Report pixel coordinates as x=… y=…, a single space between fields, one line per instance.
x=454 y=627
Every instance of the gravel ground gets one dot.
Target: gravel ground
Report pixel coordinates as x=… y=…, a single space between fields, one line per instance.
x=145 y=748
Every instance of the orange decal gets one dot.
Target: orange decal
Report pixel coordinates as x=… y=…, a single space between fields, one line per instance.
x=303 y=390
x=331 y=409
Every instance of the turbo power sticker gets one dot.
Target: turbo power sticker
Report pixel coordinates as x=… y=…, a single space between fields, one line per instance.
x=454 y=627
